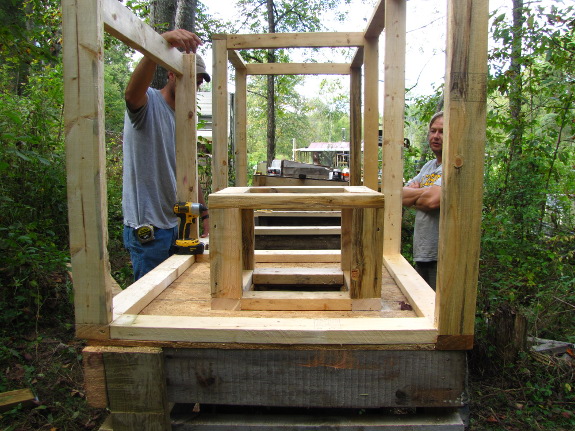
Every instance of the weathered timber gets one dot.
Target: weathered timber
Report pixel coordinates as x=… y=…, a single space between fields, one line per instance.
x=344 y=378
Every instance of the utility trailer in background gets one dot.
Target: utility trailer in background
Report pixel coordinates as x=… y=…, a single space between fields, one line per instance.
x=200 y=331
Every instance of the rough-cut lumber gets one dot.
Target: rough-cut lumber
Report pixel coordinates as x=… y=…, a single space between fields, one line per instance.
x=136 y=384
x=311 y=378
x=463 y=155
x=282 y=300
x=219 y=115
x=378 y=20
x=127 y=27
x=12 y=399
x=94 y=377
x=310 y=420
x=298 y=69
x=186 y=136
x=309 y=198
x=295 y=276
x=355 y=140
x=416 y=290
x=393 y=134
x=240 y=127
x=275 y=330
x=371 y=114
x=294 y=40
x=139 y=294
x=294 y=256
x=83 y=39
x=297 y=230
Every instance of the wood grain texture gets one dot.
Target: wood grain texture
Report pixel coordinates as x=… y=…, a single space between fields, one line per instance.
x=294 y=40
x=371 y=114
x=393 y=120
x=83 y=52
x=463 y=157
x=186 y=136
x=121 y=23
x=344 y=378
x=355 y=154
x=298 y=69
x=137 y=392
x=94 y=377
x=240 y=127
x=377 y=22
x=219 y=116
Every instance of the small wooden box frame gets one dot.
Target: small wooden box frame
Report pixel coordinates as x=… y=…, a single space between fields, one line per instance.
x=232 y=247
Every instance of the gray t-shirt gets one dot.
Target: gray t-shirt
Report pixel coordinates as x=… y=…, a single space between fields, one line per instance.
x=426 y=232
x=149 y=183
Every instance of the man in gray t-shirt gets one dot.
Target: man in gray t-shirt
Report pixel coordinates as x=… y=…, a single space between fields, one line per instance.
x=423 y=192
x=149 y=181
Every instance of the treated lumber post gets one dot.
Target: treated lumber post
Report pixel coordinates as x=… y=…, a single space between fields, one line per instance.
x=393 y=116
x=366 y=256
x=240 y=147
x=371 y=115
x=355 y=128
x=462 y=186
x=186 y=136
x=83 y=36
x=137 y=393
x=220 y=113
x=226 y=252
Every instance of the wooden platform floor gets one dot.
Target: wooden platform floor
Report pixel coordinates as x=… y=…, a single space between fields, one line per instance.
x=189 y=295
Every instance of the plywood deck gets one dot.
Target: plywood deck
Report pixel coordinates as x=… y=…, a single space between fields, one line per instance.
x=189 y=295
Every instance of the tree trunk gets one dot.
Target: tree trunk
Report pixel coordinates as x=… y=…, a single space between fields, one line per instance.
x=186 y=14
x=162 y=19
x=271 y=111
x=515 y=101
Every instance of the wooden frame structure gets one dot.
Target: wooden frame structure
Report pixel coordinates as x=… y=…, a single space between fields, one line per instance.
x=136 y=342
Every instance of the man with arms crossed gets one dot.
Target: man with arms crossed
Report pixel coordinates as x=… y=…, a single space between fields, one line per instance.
x=423 y=192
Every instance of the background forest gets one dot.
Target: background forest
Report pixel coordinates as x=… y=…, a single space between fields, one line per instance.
x=527 y=263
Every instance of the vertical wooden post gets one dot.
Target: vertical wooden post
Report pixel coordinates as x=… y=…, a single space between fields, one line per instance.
x=393 y=117
x=83 y=32
x=346 y=231
x=462 y=184
x=226 y=253
x=137 y=393
x=371 y=115
x=220 y=113
x=186 y=135
x=241 y=150
x=355 y=128
x=366 y=256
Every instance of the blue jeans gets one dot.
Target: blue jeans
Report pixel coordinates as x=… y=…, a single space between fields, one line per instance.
x=428 y=270
x=146 y=257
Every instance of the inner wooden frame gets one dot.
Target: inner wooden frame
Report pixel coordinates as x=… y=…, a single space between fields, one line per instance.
x=233 y=272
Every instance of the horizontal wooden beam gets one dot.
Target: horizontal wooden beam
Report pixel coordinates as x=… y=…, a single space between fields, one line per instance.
x=138 y=295
x=377 y=21
x=236 y=59
x=298 y=301
x=294 y=40
x=308 y=198
x=418 y=293
x=121 y=23
x=297 y=230
x=297 y=256
x=298 y=276
x=298 y=69
x=261 y=330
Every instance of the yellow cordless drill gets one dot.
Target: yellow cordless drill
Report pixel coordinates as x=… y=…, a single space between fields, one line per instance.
x=188 y=213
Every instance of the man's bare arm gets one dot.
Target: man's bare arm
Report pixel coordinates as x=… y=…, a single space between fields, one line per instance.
x=410 y=195
x=429 y=199
x=135 y=94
